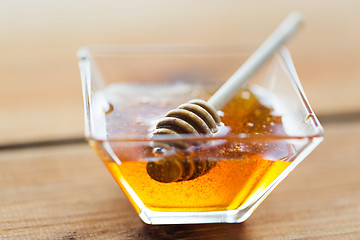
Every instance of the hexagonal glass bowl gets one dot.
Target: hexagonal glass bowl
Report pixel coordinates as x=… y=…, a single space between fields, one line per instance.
x=267 y=129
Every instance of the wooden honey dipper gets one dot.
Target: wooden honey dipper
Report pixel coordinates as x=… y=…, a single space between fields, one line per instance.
x=201 y=118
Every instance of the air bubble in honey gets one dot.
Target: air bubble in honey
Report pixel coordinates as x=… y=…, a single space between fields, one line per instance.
x=108 y=108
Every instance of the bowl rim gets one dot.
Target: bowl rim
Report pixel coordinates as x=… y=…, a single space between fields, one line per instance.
x=85 y=54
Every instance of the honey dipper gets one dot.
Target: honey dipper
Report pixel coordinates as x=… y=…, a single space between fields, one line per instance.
x=200 y=117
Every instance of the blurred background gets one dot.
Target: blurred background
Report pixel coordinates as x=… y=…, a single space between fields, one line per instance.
x=40 y=90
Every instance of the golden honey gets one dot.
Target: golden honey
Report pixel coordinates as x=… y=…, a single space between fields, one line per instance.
x=239 y=173
x=226 y=186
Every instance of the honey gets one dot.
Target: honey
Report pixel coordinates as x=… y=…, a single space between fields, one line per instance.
x=226 y=186
x=238 y=170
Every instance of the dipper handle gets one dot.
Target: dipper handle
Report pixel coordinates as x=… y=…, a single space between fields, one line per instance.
x=237 y=81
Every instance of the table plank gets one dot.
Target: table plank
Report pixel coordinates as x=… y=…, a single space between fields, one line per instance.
x=40 y=95
x=64 y=192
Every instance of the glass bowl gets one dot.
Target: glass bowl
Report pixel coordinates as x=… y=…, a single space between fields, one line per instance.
x=266 y=130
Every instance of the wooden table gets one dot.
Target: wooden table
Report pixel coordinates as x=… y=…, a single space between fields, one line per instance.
x=53 y=186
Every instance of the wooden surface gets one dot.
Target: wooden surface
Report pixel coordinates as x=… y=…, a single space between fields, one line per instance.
x=53 y=186
x=64 y=192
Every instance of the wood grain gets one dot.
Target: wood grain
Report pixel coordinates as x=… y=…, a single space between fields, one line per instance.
x=64 y=192
x=40 y=95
